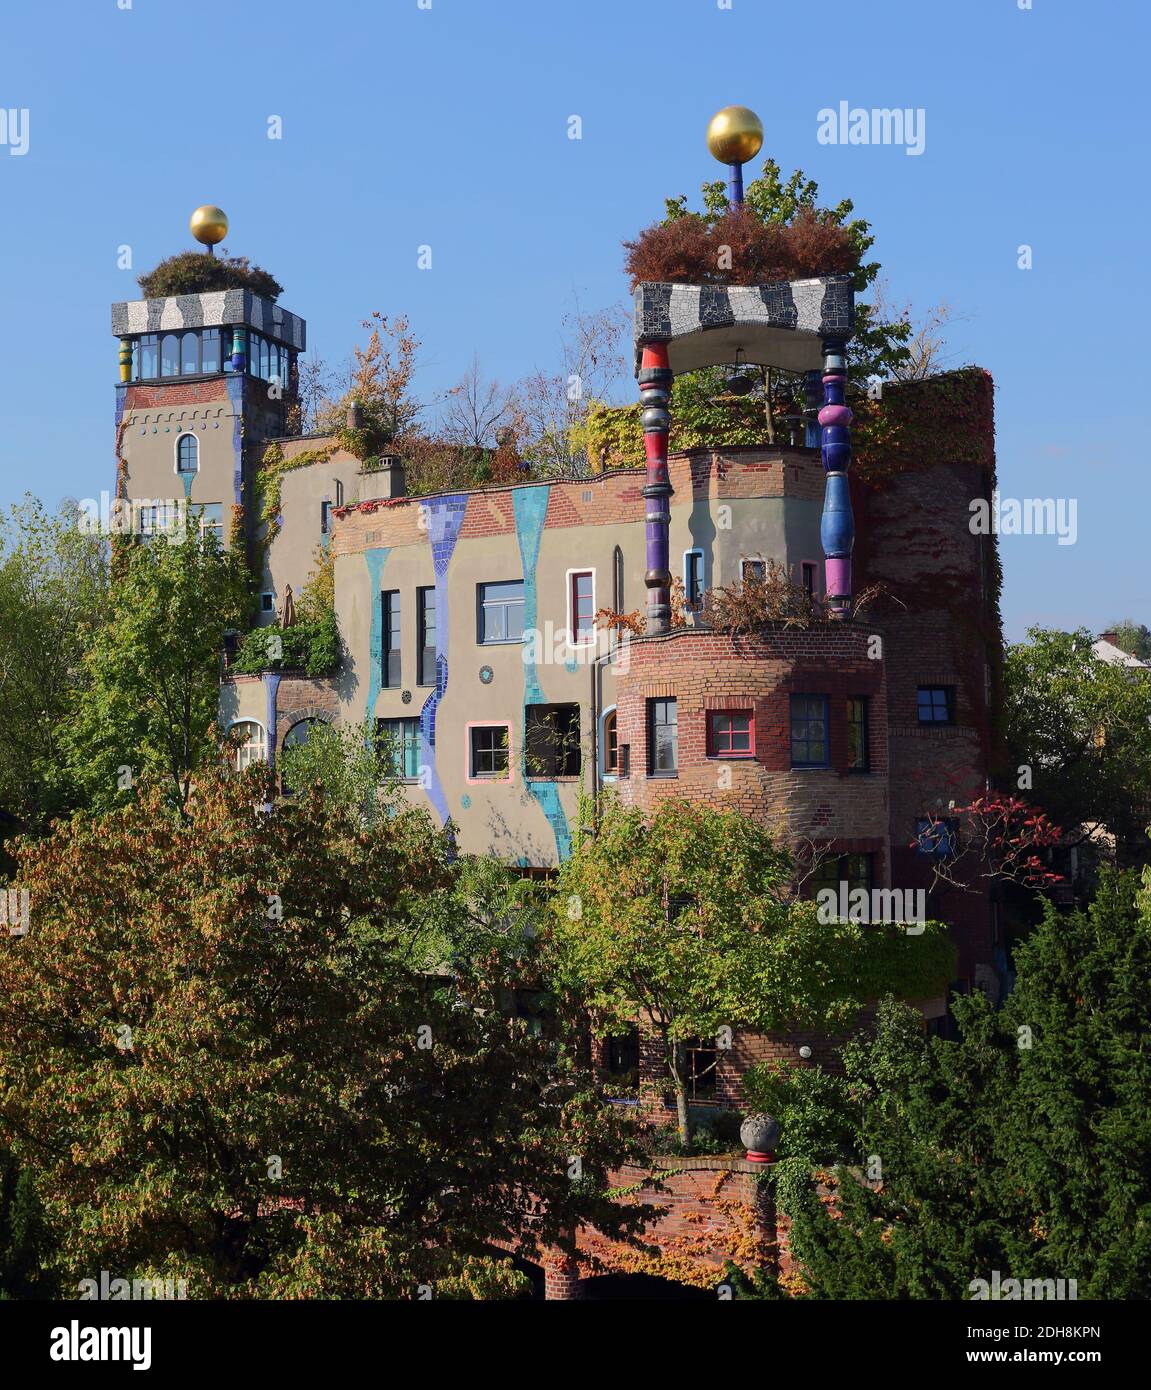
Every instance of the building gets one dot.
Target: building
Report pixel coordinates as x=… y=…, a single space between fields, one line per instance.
x=469 y=619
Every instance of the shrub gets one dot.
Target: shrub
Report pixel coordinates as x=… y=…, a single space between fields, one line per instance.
x=311 y=646
x=687 y=250
x=193 y=272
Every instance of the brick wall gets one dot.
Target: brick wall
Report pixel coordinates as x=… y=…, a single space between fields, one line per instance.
x=707 y=671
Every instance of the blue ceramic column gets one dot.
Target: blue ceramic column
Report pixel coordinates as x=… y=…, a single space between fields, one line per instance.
x=837 y=525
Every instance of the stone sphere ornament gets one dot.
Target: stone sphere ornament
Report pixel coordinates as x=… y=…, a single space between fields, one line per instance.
x=209 y=224
x=759 y=1134
x=735 y=135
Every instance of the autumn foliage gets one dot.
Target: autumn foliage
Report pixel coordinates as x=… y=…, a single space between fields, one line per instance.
x=740 y=249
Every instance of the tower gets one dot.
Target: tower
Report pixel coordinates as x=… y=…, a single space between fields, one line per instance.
x=205 y=378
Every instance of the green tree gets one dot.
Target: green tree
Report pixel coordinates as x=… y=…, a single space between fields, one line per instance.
x=218 y=1065
x=150 y=697
x=684 y=918
x=1133 y=637
x=1080 y=730
x=1024 y=1147
x=53 y=592
x=25 y=1241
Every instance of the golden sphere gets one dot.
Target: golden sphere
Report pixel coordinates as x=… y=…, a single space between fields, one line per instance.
x=209 y=224
x=735 y=135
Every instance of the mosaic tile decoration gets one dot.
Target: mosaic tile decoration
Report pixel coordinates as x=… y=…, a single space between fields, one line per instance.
x=818 y=308
x=213 y=309
x=530 y=505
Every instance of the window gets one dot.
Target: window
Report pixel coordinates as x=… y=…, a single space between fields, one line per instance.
x=610 y=744
x=662 y=738
x=339 y=493
x=426 y=636
x=390 y=645
x=701 y=1063
x=267 y=602
x=730 y=734
x=809 y=731
x=807 y=571
x=582 y=611
x=855 y=870
x=209 y=520
x=250 y=744
x=190 y=354
x=755 y=570
x=693 y=578
x=621 y=1059
x=210 y=350
x=858 y=752
x=936 y=704
x=488 y=751
x=552 y=741
x=399 y=741
x=325 y=517
x=187 y=454
x=170 y=355
x=617 y=580
x=147 y=357
x=938 y=836
x=501 y=611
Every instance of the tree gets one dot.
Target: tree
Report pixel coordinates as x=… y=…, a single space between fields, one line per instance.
x=150 y=695
x=1079 y=735
x=218 y=1065
x=878 y=347
x=683 y=918
x=476 y=411
x=1132 y=637
x=552 y=407
x=1022 y=1148
x=380 y=383
x=53 y=593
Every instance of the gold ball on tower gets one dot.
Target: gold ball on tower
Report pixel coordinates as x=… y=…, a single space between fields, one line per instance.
x=735 y=135
x=209 y=224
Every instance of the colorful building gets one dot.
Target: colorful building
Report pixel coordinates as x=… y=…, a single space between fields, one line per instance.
x=469 y=619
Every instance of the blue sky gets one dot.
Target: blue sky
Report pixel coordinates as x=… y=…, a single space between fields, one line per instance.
x=448 y=127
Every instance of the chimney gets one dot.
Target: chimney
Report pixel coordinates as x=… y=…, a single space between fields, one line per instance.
x=1107 y=637
x=393 y=480
x=355 y=416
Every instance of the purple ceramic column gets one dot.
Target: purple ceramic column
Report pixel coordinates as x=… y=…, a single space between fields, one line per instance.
x=655 y=380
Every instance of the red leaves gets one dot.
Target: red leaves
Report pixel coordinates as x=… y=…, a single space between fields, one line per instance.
x=739 y=249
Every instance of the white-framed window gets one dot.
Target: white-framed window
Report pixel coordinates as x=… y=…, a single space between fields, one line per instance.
x=187 y=454
x=608 y=745
x=251 y=743
x=581 y=606
x=694 y=580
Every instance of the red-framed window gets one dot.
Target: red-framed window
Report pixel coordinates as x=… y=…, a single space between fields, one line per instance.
x=730 y=733
x=583 y=606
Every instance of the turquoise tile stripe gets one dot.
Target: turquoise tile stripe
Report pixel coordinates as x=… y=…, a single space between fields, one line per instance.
x=530 y=505
x=375 y=560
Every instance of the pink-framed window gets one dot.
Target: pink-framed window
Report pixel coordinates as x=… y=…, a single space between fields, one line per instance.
x=730 y=733
x=489 y=752
x=582 y=584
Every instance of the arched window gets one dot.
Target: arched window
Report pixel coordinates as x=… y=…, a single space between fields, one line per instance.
x=170 y=355
x=190 y=354
x=617 y=580
x=610 y=744
x=296 y=737
x=251 y=745
x=187 y=454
